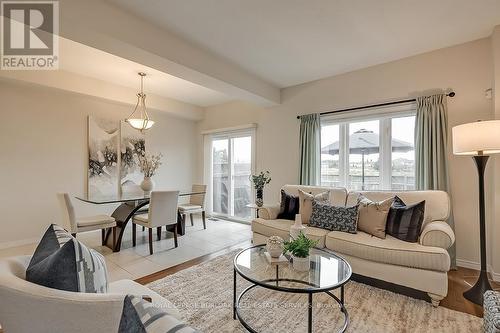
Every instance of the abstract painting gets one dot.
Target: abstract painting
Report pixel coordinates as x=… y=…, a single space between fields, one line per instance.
x=132 y=145
x=103 y=141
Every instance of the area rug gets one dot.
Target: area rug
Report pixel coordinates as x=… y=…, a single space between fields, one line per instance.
x=204 y=296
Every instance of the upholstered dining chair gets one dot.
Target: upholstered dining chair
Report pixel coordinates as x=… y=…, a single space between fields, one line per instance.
x=162 y=212
x=196 y=204
x=77 y=225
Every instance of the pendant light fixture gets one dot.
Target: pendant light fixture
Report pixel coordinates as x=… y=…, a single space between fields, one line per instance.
x=143 y=122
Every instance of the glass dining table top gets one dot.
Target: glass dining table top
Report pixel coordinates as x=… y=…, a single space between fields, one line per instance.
x=126 y=197
x=327 y=271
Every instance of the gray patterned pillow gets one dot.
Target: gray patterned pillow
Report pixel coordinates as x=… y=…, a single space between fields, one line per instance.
x=62 y=262
x=139 y=316
x=491 y=312
x=326 y=216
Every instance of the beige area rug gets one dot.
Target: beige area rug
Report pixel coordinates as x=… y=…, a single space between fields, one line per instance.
x=204 y=295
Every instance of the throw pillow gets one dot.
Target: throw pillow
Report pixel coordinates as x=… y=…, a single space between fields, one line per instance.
x=373 y=215
x=62 y=262
x=140 y=316
x=329 y=217
x=289 y=206
x=404 y=222
x=305 y=203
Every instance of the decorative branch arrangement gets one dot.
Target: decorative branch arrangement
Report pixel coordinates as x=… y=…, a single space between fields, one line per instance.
x=149 y=163
x=260 y=180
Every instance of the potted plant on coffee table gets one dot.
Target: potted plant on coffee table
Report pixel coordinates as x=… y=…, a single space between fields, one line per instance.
x=299 y=249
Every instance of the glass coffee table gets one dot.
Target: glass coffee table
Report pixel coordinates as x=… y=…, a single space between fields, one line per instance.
x=327 y=272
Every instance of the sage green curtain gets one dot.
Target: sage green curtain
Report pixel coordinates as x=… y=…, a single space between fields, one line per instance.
x=431 y=149
x=310 y=129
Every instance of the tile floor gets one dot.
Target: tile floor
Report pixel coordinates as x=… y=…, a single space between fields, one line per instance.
x=135 y=262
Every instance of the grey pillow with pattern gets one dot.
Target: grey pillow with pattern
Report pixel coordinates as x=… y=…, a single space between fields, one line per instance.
x=326 y=216
x=491 y=307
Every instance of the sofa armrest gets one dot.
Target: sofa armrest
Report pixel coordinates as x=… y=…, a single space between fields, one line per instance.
x=437 y=234
x=269 y=212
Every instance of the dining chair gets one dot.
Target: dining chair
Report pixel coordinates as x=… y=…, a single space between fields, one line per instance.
x=82 y=224
x=196 y=205
x=162 y=212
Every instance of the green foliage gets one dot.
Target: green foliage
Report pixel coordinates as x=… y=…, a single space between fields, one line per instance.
x=300 y=246
x=260 y=180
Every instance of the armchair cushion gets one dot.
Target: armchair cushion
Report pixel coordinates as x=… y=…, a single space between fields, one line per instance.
x=62 y=262
x=491 y=306
x=438 y=234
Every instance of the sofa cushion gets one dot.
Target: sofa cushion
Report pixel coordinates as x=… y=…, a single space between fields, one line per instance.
x=437 y=203
x=289 y=206
x=405 y=222
x=372 y=217
x=281 y=228
x=338 y=195
x=326 y=216
x=62 y=262
x=389 y=250
x=305 y=203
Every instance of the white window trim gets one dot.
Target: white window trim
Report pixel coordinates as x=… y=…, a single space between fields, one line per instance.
x=384 y=115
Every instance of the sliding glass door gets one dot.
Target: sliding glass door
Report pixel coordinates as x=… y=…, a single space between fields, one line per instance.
x=231 y=164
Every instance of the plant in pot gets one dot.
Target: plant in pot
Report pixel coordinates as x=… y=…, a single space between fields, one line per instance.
x=299 y=249
x=148 y=164
x=259 y=181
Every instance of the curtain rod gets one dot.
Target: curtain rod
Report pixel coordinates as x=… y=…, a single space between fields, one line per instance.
x=450 y=94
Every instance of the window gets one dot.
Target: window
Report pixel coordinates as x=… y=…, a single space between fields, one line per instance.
x=229 y=162
x=369 y=152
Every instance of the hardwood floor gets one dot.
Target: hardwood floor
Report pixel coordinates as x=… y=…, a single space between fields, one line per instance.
x=458 y=281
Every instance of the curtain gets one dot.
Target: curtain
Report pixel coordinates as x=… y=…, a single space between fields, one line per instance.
x=431 y=149
x=310 y=129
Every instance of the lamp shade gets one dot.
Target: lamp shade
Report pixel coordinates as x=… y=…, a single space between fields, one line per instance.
x=476 y=138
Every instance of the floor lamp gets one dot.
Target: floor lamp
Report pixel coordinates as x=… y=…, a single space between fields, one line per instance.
x=479 y=140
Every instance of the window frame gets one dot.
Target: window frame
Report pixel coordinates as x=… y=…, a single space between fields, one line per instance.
x=384 y=115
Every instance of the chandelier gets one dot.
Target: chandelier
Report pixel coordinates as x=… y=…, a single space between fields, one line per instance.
x=143 y=122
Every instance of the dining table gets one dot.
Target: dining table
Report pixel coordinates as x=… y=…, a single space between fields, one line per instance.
x=130 y=204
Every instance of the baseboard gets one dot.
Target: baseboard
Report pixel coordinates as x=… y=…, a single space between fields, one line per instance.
x=477 y=266
x=21 y=242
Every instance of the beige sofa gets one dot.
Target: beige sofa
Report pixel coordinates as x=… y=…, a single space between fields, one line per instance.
x=28 y=307
x=422 y=266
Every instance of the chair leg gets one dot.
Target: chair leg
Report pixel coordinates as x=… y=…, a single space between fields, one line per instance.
x=114 y=237
x=158 y=233
x=73 y=234
x=175 y=237
x=191 y=218
x=103 y=236
x=150 y=230
x=203 y=218
x=134 y=233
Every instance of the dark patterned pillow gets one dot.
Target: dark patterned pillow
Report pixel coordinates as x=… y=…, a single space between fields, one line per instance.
x=326 y=216
x=62 y=262
x=140 y=316
x=289 y=206
x=404 y=222
x=491 y=306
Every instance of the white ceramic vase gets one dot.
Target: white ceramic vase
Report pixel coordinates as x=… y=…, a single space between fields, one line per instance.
x=301 y=264
x=274 y=246
x=147 y=184
x=297 y=227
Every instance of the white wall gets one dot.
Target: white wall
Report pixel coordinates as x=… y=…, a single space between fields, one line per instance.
x=466 y=68
x=43 y=150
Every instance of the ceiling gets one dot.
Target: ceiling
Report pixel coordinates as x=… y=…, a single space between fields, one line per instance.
x=90 y=62
x=288 y=42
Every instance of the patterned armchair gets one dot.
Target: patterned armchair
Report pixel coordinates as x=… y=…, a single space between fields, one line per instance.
x=491 y=307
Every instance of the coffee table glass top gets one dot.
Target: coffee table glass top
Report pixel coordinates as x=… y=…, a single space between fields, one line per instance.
x=327 y=271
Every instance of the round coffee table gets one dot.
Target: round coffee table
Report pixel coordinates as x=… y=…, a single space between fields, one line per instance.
x=327 y=272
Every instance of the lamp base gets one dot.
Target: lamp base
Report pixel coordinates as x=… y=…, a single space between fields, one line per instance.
x=476 y=293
